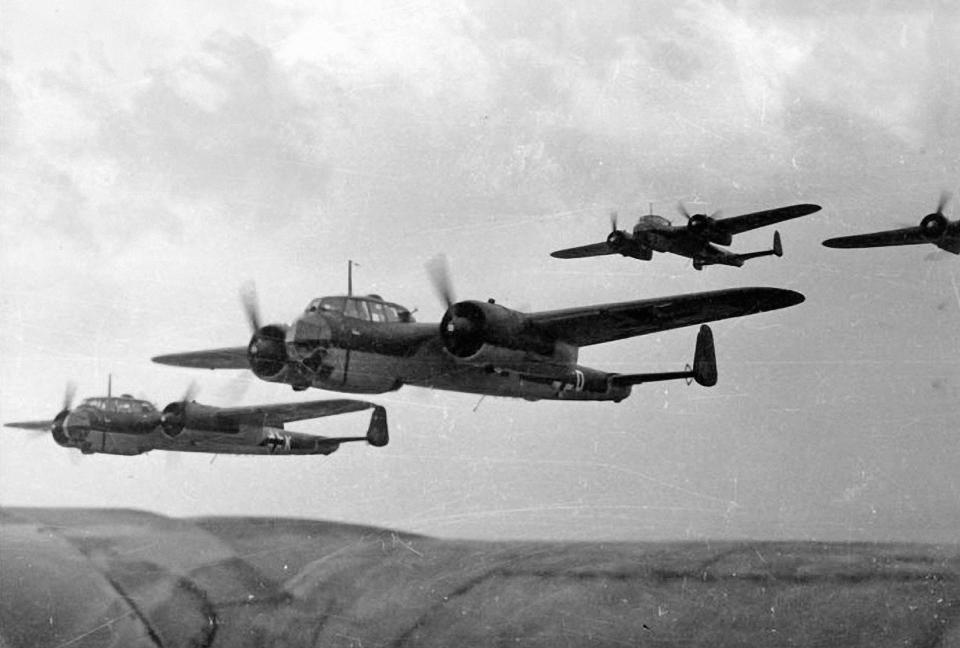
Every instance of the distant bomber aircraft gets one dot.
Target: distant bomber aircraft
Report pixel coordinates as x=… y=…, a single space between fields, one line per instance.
x=130 y=426
x=694 y=240
x=369 y=345
x=933 y=228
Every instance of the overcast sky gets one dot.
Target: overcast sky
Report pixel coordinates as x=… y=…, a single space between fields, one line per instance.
x=155 y=156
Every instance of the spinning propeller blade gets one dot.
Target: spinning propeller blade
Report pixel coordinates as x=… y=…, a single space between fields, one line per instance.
x=191 y=393
x=613 y=221
x=68 y=394
x=251 y=305
x=440 y=276
x=944 y=199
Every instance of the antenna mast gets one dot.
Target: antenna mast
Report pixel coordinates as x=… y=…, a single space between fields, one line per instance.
x=350 y=264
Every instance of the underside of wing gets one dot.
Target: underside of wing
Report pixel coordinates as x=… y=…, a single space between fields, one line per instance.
x=608 y=322
x=228 y=358
x=281 y=413
x=594 y=249
x=30 y=425
x=747 y=222
x=905 y=236
x=951 y=243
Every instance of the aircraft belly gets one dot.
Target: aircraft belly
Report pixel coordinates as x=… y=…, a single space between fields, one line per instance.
x=251 y=440
x=98 y=441
x=360 y=372
x=658 y=242
x=436 y=369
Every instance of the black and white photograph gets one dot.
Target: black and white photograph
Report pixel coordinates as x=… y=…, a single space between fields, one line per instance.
x=479 y=323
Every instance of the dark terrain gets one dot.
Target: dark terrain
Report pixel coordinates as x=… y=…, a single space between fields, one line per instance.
x=77 y=577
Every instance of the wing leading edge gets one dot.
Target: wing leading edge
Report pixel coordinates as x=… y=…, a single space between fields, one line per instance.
x=608 y=322
x=281 y=413
x=594 y=249
x=227 y=358
x=747 y=222
x=904 y=236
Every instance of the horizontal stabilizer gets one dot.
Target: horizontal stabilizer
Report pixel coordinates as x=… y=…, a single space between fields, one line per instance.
x=704 y=369
x=378 y=434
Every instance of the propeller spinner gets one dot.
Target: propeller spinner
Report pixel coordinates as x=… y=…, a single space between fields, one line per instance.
x=934 y=225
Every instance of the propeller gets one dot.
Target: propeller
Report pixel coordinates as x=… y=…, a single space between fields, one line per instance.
x=251 y=305
x=934 y=225
x=613 y=221
x=172 y=418
x=190 y=394
x=439 y=273
x=68 y=394
x=944 y=199
x=690 y=217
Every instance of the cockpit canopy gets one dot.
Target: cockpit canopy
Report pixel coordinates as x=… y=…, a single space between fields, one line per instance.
x=125 y=404
x=370 y=308
x=652 y=221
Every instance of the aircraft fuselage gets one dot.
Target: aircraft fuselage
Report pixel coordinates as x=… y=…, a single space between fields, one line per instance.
x=333 y=352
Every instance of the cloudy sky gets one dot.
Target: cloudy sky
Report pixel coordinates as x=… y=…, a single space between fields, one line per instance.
x=154 y=157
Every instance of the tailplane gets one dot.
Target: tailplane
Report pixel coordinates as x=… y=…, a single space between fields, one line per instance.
x=704 y=370
x=776 y=250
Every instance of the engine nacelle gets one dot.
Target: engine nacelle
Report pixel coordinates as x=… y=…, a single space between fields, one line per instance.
x=706 y=227
x=179 y=415
x=469 y=325
x=617 y=239
x=59 y=436
x=267 y=355
x=933 y=226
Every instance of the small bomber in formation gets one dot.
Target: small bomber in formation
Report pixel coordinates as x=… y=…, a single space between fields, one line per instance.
x=130 y=426
x=697 y=240
x=934 y=228
x=364 y=344
x=368 y=345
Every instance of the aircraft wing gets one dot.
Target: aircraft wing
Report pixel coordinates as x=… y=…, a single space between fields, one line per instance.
x=281 y=413
x=904 y=236
x=607 y=322
x=594 y=249
x=228 y=358
x=746 y=222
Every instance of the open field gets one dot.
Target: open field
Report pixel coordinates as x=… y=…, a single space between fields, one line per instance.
x=71 y=577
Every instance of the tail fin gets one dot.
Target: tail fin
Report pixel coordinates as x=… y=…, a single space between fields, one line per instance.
x=704 y=369
x=776 y=250
x=705 y=359
x=378 y=434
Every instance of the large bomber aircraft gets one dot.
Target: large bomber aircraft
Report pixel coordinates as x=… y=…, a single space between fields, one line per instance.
x=369 y=345
x=697 y=239
x=934 y=228
x=130 y=426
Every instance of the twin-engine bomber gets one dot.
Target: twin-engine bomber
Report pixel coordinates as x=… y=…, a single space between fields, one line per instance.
x=696 y=240
x=130 y=426
x=368 y=345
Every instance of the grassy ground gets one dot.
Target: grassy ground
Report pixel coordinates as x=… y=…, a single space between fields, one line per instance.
x=125 y=578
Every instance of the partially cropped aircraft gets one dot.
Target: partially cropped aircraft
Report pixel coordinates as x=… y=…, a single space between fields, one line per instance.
x=697 y=239
x=369 y=345
x=934 y=228
x=130 y=426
